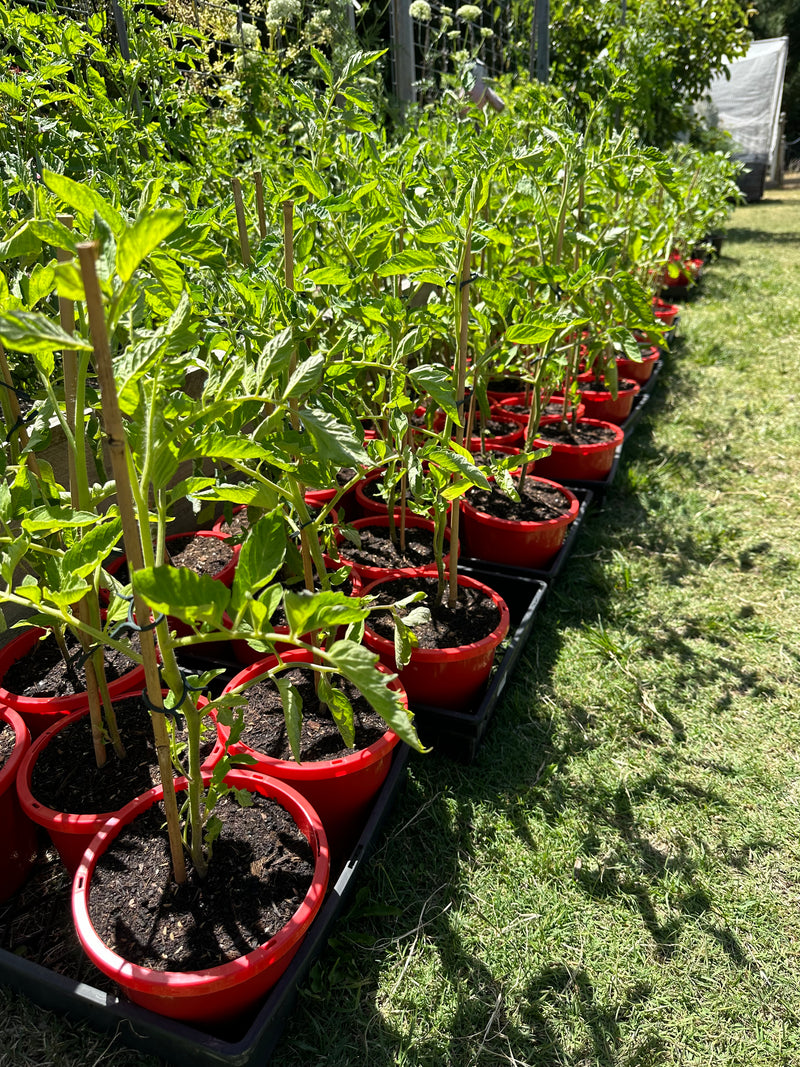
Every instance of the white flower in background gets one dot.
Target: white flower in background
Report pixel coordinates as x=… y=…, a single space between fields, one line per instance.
x=462 y=56
x=280 y=11
x=322 y=18
x=454 y=35
x=468 y=12
x=420 y=10
x=447 y=22
x=244 y=37
x=486 y=32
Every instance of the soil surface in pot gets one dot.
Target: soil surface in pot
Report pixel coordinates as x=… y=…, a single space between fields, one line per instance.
x=66 y=777
x=495 y=428
x=42 y=671
x=538 y=503
x=203 y=555
x=577 y=435
x=378 y=550
x=506 y=385
x=265 y=723
x=297 y=585
x=259 y=874
x=7 y=738
x=623 y=386
x=474 y=617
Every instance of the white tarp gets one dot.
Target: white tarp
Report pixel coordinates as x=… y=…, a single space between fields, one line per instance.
x=748 y=104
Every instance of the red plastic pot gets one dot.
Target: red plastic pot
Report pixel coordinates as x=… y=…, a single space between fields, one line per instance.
x=518 y=542
x=639 y=372
x=225 y=575
x=71 y=833
x=589 y=462
x=444 y=677
x=664 y=312
x=368 y=505
x=217 y=993
x=511 y=436
x=40 y=713
x=340 y=789
x=368 y=573
x=18 y=839
x=601 y=404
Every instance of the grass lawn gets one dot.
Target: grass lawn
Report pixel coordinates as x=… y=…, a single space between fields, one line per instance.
x=615 y=881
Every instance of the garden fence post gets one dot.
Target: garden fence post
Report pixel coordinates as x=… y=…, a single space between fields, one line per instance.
x=540 y=42
x=402 y=29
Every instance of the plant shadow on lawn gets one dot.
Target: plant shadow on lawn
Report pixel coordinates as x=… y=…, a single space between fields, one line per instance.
x=525 y=778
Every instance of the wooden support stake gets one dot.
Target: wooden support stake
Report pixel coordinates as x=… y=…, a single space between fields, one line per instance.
x=262 y=215
x=462 y=305
x=241 y=222
x=115 y=434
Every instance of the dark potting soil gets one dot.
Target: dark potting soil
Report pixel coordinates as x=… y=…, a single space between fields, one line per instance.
x=238 y=526
x=67 y=778
x=378 y=550
x=260 y=872
x=265 y=723
x=41 y=672
x=203 y=555
x=538 y=503
x=7 y=738
x=623 y=386
x=581 y=434
x=495 y=428
x=474 y=617
x=506 y=385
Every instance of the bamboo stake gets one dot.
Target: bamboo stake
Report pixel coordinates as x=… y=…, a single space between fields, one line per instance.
x=94 y=667
x=115 y=434
x=287 y=208
x=241 y=222
x=262 y=215
x=462 y=307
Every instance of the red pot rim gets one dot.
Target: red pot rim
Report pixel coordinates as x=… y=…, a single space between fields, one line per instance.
x=456 y=652
x=624 y=385
x=189 y=983
x=310 y=770
x=66 y=822
x=371 y=570
x=529 y=524
x=596 y=446
x=18 y=647
x=22 y=743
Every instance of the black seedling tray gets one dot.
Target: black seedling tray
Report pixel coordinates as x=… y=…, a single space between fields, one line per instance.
x=632 y=421
x=252 y=1040
x=549 y=575
x=458 y=734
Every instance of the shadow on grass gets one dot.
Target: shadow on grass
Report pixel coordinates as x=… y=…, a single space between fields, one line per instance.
x=767 y=237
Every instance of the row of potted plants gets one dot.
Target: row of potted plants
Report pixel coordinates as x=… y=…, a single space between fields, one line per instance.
x=391 y=287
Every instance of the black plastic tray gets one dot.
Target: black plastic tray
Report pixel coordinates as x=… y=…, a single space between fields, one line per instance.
x=597 y=487
x=549 y=575
x=180 y=1043
x=458 y=734
x=647 y=387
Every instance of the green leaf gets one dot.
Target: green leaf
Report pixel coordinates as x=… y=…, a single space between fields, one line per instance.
x=340 y=708
x=435 y=380
x=179 y=591
x=275 y=356
x=408 y=262
x=94 y=546
x=456 y=463
x=323 y=64
x=23 y=242
x=146 y=234
x=311 y=179
x=333 y=440
x=329 y=276
x=222 y=446
x=306 y=612
x=54 y=233
x=51 y=519
x=260 y=558
x=82 y=199
x=292 y=712
x=358 y=665
x=530 y=333
x=405 y=641
x=40 y=283
x=31 y=332
x=306 y=376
